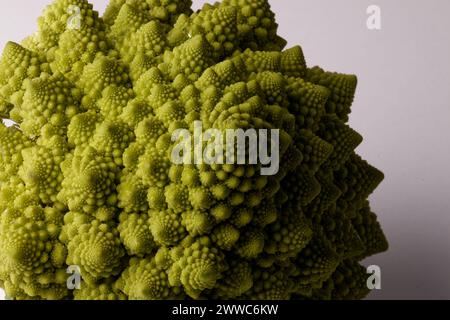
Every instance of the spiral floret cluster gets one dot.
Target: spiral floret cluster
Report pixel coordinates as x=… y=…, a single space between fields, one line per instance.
x=87 y=178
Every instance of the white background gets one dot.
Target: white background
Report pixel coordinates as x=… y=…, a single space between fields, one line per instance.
x=402 y=109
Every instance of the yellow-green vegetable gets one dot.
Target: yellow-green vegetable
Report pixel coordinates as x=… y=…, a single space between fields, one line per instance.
x=86 y=177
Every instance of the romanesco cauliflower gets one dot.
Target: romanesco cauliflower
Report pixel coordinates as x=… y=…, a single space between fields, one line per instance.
x=86 y=177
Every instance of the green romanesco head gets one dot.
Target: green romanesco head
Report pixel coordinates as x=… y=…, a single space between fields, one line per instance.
x=88 y=180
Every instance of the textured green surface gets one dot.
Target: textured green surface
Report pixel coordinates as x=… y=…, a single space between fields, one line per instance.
x=86 y=177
